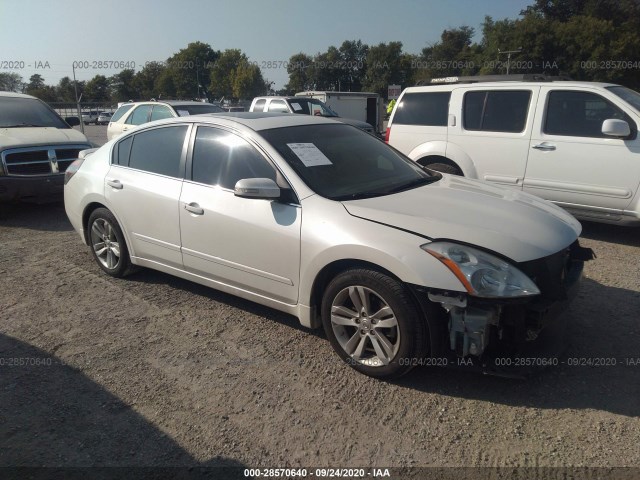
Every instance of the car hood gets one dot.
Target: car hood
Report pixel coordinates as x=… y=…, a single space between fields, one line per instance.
x=28 y=136
x=515 y=224
x=356 y=123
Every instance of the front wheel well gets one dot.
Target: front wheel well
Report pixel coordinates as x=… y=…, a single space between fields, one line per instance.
x=438 y=159
x=328 y=273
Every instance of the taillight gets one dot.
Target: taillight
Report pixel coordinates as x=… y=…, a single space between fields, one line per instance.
x=72 y=169
x=386 y=135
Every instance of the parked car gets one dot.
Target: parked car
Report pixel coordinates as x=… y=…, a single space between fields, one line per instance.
x=36 y=147
x=318 y=219
x=90 y=117
x=130 y=115
x=104 y=118
x=304 y=106
x=365 y=106
x=574 y=143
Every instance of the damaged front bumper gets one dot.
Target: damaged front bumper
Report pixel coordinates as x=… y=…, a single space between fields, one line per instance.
x=511 y=337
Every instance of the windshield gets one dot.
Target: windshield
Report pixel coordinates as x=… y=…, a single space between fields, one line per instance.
x=18 y=112
x=341 y=162
x=311 y=106
x=630 y=96
x=196 y=109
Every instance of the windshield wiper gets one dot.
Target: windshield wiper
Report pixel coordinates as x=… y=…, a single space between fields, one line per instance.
x=17 y=125
x=418 y=182
x=398 y=188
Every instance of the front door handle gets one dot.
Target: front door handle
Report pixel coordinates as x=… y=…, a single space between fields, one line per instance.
x=115 y=184
x=194 y=208
x=545 y=147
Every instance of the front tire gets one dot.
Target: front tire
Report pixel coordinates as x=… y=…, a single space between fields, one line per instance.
x=107 y=243
x=373 y=323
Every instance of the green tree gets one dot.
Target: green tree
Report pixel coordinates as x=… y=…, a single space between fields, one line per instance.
x=454 y=54
x=11 y=82
x=123 y=86
x=386 y=65
x=65 y=91
x=97 y=89
x=300 y=70
x=353 y=58
x=152 y=81
x=248 y=81
x=39 y=89
x=190 y=69
x=233 y=76
x=36 y=82
x=326 y=71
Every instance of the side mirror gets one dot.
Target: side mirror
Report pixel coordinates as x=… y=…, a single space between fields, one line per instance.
x=72 y=121
x=257 y=188
x=616 y=128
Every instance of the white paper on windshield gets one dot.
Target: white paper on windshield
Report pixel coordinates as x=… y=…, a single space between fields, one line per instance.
x=309 y=154
x=296 y=106
x=183 y=113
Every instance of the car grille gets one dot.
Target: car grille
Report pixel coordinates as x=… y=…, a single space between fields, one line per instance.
x=45 y=160
x=549 y=274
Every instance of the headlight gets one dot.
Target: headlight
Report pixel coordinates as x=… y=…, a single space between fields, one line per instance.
x=482 y=274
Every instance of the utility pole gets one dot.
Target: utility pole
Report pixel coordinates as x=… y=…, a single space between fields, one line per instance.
x=75 y=88
x=509 y=52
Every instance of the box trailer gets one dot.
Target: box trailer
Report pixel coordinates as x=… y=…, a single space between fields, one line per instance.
x=365 y=106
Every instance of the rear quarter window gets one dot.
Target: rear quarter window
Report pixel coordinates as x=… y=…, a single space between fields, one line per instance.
x=424 y=108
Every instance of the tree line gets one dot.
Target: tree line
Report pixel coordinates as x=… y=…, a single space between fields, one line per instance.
x=197 y=71
x=596 y=40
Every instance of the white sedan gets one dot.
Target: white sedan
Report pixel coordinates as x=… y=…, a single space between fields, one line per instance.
x=400 y=265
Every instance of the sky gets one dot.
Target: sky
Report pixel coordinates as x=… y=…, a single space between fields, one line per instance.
x=48 y=36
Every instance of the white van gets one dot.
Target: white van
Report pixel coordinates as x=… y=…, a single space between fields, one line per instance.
x=574 y=143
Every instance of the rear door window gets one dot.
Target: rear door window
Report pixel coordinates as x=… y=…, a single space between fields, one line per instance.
x=496 y=110
x=159 y=150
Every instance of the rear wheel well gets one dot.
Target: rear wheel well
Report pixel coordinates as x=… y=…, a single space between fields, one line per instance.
x=88 y=210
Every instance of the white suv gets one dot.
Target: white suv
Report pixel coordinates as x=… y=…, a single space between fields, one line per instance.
x=130 y=115
x=574 y=143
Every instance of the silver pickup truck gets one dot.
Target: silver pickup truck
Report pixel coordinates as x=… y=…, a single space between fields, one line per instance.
x=36 y=147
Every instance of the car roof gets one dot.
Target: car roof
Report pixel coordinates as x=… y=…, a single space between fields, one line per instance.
x=509 y=84
x=15 y=94
x=292 y=97
x=168 y=102
x=253 y=120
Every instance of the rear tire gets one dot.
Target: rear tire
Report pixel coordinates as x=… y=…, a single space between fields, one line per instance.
x=107 y=243
x=373 y=323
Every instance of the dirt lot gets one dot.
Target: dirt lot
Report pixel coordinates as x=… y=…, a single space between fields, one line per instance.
x=154 y=370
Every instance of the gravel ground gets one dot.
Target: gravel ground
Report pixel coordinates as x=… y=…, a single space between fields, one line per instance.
x=155 y=370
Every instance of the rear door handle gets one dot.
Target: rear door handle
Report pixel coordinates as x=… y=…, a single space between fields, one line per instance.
x=194 y=208
x=115 y=184
x=544 y=146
